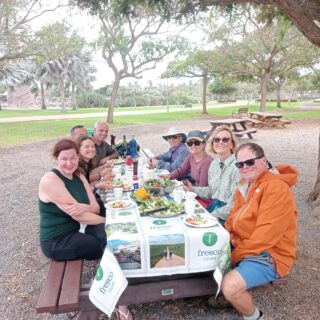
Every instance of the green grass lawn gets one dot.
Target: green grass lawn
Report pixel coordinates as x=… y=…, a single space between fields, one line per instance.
x=25 y=132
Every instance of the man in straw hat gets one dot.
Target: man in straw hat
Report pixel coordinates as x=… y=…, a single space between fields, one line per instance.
x=177 y=153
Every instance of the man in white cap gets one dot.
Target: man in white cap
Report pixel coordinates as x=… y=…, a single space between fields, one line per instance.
x=177 y=153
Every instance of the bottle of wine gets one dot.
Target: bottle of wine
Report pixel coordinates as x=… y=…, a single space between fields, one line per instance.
x=125 y=146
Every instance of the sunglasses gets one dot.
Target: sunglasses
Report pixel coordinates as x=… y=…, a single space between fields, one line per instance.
x=248 y=163
x=172 y=137
x=224 y=140
x=195 y=142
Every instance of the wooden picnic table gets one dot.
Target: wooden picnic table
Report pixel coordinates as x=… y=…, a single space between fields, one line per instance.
x=238 y=126
x=266 y=119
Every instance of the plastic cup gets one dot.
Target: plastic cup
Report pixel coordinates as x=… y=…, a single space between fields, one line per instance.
x=190 y=207
x=118 y=193
x=177 y=195
x=190 y=196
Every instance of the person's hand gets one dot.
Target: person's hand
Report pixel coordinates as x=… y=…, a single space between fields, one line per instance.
x=107 y=174
x=107 y=165
x=75 y=209
x=152 y=162
x=186 y=185
x=105 y=185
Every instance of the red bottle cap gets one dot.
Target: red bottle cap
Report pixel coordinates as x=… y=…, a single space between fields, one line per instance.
x=128 y=161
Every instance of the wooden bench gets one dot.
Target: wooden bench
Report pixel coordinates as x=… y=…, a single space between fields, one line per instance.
x=242 y=112
x=61 y=288
x=254 y=122
x=62 y=291
x=188 y=106
x=248 y=132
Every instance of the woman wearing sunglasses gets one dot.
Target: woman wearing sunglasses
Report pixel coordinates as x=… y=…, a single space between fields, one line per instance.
x=223 y=176
x=262 y=226
x=197 y=163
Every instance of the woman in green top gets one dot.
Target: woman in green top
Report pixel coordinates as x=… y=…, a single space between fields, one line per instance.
x=65 y=201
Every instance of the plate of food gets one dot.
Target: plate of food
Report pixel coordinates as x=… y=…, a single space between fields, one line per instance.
x=159 y=186
x=142 y=195
x=119 y=204
x=161 y=208
x=118 y=183
x=198 y=221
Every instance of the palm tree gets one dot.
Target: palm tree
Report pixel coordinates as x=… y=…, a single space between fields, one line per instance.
x=11 y=76
x=61 y=70
x=77 y=70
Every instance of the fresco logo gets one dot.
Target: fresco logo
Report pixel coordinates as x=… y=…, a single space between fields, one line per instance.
x=209 y=239
x=99 y=274
x=159 y=222
x=125 y=213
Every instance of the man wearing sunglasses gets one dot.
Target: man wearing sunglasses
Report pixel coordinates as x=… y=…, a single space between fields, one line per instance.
x=177 y=153
x=262 y=226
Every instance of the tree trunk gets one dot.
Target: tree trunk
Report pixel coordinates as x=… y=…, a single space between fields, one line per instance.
x=204 y=94
x=73 y=96
x=263 y=88
x=62 y=98
x=278 y=87
x=115 y=88
x=43 y=96
x=316 y=190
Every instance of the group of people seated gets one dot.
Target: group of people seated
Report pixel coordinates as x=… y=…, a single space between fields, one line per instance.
x=238 y=186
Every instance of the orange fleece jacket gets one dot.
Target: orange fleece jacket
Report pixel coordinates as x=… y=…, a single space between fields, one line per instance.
x=264 y=217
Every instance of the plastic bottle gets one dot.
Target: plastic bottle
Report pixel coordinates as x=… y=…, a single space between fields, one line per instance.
x=133 y=147
x=135 y=183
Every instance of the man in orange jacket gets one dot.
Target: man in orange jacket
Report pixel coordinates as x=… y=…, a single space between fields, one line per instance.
x=262 y=226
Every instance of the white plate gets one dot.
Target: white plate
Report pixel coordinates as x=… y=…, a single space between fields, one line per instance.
x=209 y=222
x=123 y=204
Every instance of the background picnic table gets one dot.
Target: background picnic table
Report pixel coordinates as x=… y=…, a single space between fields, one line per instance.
x=23 y=267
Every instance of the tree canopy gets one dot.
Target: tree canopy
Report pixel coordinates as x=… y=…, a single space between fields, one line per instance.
x=304 y=14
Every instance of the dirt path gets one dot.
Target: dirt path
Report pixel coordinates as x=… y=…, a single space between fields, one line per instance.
x=23 y=267
x=173 y=261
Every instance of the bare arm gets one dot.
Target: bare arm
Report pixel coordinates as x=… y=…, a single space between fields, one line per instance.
x=52 y=189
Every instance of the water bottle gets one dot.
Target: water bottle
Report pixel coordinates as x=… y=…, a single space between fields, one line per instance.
x=133 y=147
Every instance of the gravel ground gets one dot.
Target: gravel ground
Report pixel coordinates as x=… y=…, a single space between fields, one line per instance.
x=23 y=267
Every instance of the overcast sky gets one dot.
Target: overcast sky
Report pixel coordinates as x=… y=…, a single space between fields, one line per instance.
x=88 y=27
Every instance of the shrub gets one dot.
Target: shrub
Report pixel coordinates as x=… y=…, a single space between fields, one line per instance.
x=92 y=100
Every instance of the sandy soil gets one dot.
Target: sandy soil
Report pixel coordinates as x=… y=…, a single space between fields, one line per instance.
x=23 y=266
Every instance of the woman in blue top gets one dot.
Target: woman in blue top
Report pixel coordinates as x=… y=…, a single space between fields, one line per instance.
x=65 y=201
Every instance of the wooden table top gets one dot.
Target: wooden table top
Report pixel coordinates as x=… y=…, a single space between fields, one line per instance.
x=266 y=115
x=228 y=121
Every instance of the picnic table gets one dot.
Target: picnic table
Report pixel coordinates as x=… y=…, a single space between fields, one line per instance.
x=166 y=254
x=238 y=127
x=266 y=119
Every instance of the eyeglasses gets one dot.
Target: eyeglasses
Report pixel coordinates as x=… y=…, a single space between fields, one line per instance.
x=248 y=163
x=171 y=137
x=224 y=140
x=194 y=142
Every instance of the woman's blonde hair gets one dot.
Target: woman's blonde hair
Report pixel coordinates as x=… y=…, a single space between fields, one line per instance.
x=214 y=133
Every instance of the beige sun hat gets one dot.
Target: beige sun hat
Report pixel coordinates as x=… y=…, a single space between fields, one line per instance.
x=173 y=131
